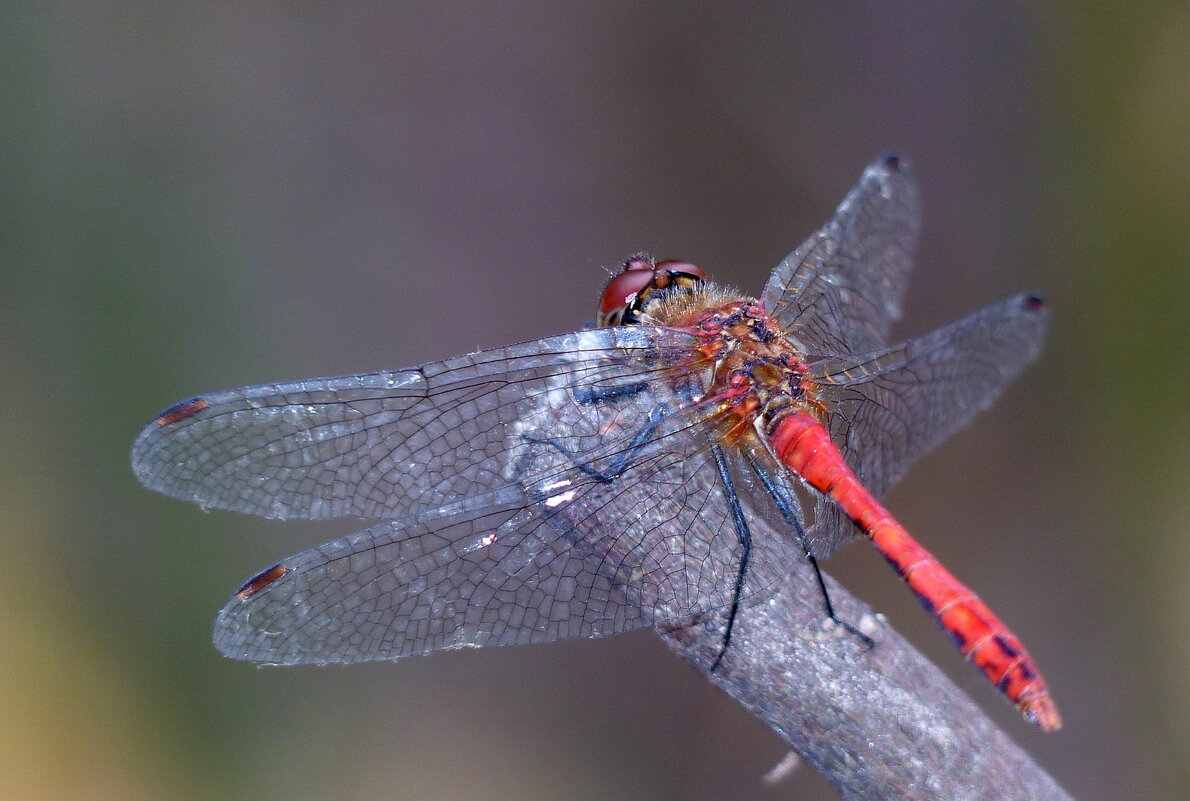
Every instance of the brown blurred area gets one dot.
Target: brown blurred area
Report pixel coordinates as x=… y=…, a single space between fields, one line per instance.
x=198 y=196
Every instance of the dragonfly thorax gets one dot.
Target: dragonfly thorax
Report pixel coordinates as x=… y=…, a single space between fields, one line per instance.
x=758 y=375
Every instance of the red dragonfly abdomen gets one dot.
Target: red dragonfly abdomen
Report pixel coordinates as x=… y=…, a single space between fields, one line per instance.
x=805 y=447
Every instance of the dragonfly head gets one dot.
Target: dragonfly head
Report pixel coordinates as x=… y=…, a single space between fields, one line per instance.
x=640 y=280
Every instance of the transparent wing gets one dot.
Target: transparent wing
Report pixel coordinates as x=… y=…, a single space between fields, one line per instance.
x=839 y=292
x=890 y=406
x=389 y=444
x=588 y=545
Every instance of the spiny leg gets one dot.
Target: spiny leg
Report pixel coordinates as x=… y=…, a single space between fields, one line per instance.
x=745 y=536
x=591 y=396
x=794 y=521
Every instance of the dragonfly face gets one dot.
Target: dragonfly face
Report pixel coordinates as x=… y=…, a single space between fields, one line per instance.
x=642 y=280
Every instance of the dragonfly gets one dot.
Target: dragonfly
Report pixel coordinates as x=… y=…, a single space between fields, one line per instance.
x=610 y=478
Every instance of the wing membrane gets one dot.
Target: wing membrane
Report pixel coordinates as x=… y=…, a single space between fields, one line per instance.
x=839 y=292
x=589 y=547
x=891 y=406
x=385 y=444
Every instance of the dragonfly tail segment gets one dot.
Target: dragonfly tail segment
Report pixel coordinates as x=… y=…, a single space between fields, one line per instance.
x=805 y=447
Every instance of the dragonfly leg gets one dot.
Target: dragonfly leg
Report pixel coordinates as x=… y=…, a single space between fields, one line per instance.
x=745 y=536
x=590 y=396
x=622 y=462
x=830 y=609
x=787 y=508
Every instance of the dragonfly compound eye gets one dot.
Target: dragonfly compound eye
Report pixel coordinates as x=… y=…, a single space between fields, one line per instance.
x=626 y=293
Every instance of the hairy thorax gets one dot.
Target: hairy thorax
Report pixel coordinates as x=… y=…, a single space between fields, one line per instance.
x=758 y=376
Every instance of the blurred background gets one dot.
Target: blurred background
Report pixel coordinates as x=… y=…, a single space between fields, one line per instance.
x=205 y=195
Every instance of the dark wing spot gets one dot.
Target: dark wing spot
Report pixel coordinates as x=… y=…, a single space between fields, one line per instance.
x=261 y=581
x=1034 y=303
x=180 y=411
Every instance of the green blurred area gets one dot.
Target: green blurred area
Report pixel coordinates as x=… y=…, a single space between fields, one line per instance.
x=205 y=195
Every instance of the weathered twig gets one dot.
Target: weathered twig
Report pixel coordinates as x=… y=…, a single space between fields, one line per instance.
x=879 y=722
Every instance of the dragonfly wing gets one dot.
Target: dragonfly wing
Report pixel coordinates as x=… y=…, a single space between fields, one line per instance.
x=583 y=548
x=839 y=292
x=387 y=444
x=890 y=406
x=479 y=577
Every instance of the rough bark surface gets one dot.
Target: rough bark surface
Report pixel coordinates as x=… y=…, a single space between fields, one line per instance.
x=878 y=723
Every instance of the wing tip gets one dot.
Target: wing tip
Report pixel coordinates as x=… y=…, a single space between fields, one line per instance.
x=1035 y=309
x=898 y=180
x=144 y=464
x=892 y=163
x=229 y=636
